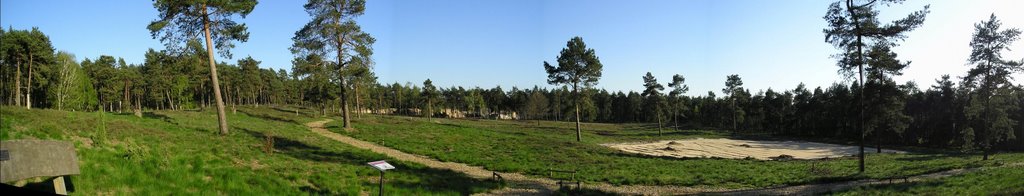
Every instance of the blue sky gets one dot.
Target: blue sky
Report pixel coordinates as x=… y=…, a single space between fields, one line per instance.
x=770 y=44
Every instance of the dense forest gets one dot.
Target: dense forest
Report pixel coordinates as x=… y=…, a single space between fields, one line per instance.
x=958 y=113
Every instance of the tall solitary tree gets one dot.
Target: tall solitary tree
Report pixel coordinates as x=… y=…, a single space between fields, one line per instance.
x=850 y=22
x=180 y=21
x=578 y=67
x=733 y=87
x=992 y=100
x=333 y=29
x=654 y=100
x=676 y=101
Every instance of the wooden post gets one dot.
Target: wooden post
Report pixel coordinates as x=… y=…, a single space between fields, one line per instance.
x=382 y=183
x=59 y=187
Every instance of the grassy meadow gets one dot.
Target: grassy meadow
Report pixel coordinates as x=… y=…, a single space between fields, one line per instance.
x=534 y=148
x=989 y=181
x=179 y=153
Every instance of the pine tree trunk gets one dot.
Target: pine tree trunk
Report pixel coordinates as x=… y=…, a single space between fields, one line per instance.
x=170 y=103
x=659 y=125
x=675 y=120
x=860 y=67
x=17 y=83
x=221 y=117
x=579 y=132
x=878 y=146
x=984 y=153
x=124 y=98
x=359 y=107
x=344 y=98
x=138 y=106
x=735 y=113
x=28 y=90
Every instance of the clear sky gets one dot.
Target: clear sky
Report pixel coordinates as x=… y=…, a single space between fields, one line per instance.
x=770 y=44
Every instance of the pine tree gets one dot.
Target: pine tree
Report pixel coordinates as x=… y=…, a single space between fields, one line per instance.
x=578 y=68
x=992 y=97
x=180 y=21
x=333 y=31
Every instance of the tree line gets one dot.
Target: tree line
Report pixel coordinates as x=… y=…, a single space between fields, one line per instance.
x=979 y=111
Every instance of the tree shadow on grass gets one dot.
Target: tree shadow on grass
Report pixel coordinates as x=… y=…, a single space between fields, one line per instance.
x=830 y=179
x=671 y=158
x=648 y=133
x=486 y=129
x=904 y=187
x=292 y=111
x=152 y=115
x=315 y=191
x=580 y=191
x=300 y=150
x=268 y=117
x=332 y=127
x=931 y=157
x=431 y=179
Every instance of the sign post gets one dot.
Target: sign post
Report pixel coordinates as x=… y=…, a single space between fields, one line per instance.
x=382 y=166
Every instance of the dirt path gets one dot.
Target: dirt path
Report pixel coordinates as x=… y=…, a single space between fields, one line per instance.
x=519 y=184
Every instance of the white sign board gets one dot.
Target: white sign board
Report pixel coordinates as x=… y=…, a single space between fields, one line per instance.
x=381 y=165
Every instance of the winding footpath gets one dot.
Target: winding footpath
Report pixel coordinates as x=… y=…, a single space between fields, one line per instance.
x=519 y=184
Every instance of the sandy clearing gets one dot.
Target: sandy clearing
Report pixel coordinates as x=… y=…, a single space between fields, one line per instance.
x=739 y=149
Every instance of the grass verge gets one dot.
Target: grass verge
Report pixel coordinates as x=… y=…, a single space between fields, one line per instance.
x=179 y=152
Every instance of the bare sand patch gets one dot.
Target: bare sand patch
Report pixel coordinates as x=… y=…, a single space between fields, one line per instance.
x=739 y=149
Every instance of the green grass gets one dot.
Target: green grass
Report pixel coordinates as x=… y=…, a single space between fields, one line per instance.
x=989 y=181
x=179 y=152
x=526 y=147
